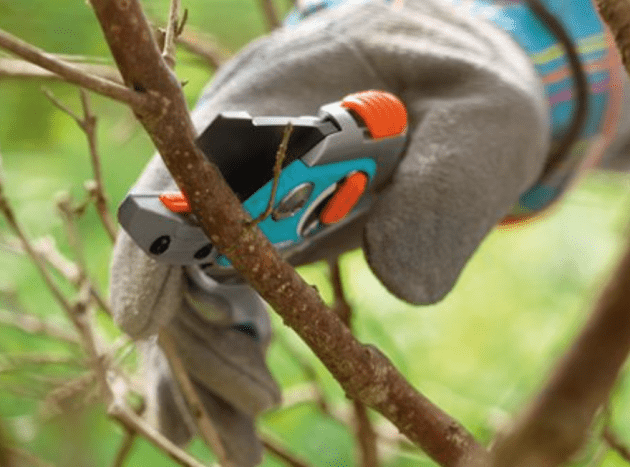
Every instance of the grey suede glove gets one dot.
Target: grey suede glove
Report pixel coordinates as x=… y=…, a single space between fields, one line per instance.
x=478 y=138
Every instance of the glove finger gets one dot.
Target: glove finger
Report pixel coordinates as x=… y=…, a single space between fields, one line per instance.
x=236 y=429
x=167 y=410
x=165 y=406
x=228 y=304
x=468 y=161
x=225 y=360
x=145 y=294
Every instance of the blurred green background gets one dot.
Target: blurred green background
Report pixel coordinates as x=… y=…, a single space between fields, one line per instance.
x=479 y=354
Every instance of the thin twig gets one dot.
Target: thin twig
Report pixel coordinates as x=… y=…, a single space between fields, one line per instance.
x=281 y=154
x=100 y=301
x=64 y=204
x=57 y=397
x=98 y=189
x=271 y=15
x=615 y=443
x=364 y=431
x=557 y=421
x=280 y=452
x=136 y=424
x=6 y=210
x=35 y=325
x=171 y=31
x=15 y=362
x=71 y=73
x=366 y=436
x=125 y=448
x=341 y=305
x=202 y=420
x=309 y=371
x=79 y=313
x=21 y=69
x=95 y=188
x=29 y=457
x=45 y=248
x=205 y=47
x=182 y=24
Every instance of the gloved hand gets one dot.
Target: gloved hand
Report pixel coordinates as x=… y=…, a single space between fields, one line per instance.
x=478 y=138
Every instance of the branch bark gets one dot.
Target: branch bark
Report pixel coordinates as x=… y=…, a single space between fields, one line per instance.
x=557 y=422
x=364 y=372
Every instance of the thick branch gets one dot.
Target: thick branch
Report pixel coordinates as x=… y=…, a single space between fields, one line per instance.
x=557 y=422
x=616 y=13
x=363 y=372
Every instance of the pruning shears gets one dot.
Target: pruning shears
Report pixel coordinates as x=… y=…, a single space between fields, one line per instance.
x=334 y=162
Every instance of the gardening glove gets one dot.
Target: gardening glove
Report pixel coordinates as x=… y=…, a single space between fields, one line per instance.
x=478 y=137
x=221 y=334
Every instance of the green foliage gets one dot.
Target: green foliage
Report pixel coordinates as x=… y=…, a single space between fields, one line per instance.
x=479 y=354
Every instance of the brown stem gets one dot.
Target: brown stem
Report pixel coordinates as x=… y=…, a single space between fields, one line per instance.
x=364 y=431
x=363 y=372
x=29 y=457
x=277 y=171
x=615 y=443
x=70 y=72
x=6 y=210
x=366 y=436
x=281 y=453
x=557 y=422
x=271 y=15
x=125 y=448
x=35 y=325
x=21 y=69
x=171 y=32
x=616 y=13
x=201 y=417
x=46 y=249
x=98 y=190
x=136 y=424
x=95 y=189
x=204 y=47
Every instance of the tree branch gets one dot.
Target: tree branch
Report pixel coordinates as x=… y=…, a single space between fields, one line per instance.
x=271 y=15
x=204 y=47
x=21 y=69
x=35 y=325
x=364 y=431
x=201 y=417
x=364 y=372
x=615 y=443
x=616 y=14
x=281 y=453
x=79 y=313
x=71 y=73
x=171 y=32
x=557 y=422
x=125 y=448
x=96 y=188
